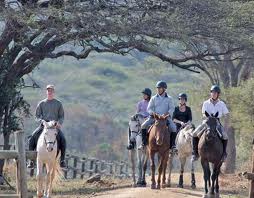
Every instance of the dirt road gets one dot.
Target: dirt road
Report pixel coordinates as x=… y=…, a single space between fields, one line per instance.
x=148 y=193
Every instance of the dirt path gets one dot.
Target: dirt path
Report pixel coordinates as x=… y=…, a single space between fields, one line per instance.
x=226 y=186
x=148 y=193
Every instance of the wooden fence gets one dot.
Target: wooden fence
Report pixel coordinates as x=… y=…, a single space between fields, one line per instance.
x=79 y=167
x=83 y=167
x=20 y=156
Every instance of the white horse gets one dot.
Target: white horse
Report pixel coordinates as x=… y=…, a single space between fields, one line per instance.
x=140 y=151
x=184 y=147
x=46 y=154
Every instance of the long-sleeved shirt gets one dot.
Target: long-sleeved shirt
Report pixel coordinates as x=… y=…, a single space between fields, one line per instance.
x=211 y=108
x=142 y=108
x=182 y=116
x=161 y=104
x=49 y=110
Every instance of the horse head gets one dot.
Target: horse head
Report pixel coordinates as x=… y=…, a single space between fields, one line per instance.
x=211 y=122
x=160 y=127
x=187 y=132
x=50 y=133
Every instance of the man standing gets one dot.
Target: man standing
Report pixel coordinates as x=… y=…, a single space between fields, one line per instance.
x=47 y=110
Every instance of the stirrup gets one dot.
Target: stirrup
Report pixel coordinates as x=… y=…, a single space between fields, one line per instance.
x=194 y=157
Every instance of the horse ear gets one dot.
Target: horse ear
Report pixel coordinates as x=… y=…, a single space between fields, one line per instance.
x=207 y=114
x=216 y=114
x=155 y=115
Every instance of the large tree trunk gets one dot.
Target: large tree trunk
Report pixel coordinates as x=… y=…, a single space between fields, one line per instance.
x=230 y=164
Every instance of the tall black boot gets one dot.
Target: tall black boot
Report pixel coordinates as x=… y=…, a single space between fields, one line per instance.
x=32 y=143
x=130 y=143
x=195 y=154
x=62 y=148
x=173 y=140
x=144 y=137
x=224 y=156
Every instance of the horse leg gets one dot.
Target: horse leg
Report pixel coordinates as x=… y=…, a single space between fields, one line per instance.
x=139 y=157
x=193 y=180
x=52 y=176
x=206 y=170
x=165 y=161
x=39 y=177
x=145 y=154
x=132 y=153
x=160 y=167
x=214 y=176
x=47 y=179
x=151 y=154
x=170 y=165
x=182 y=161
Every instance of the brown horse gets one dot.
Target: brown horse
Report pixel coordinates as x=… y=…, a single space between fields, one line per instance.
x=159 y=142
x=210 y=149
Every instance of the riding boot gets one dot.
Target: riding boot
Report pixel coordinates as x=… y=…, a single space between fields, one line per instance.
x=173 y=142
x=195 y=154
x=224 y=156
x=144 y=137
x=130 y=145
x=62 y=147
x=32 y=143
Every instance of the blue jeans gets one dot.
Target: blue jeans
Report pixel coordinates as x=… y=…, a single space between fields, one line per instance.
x=150 y=121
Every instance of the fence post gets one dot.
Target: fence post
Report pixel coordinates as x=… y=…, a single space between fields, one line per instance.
x=96 y=166
x=20 y=139
x=75 y=162
x=91 y=167
x=83 y=167
x=66 y=171
x=251 y=193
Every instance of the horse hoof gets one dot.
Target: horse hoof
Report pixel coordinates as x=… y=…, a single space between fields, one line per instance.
x=158 y=186
x=180 y=185
x=139 y=184
x=193 y=186
x=143 y=183
x=168 y=185
x=164 y=186
x=134 y=185
x=153 y=186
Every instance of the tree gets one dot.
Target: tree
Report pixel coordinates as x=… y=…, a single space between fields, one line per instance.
x=33 y=32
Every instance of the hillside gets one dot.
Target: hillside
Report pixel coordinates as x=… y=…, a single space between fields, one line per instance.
x=99 y=95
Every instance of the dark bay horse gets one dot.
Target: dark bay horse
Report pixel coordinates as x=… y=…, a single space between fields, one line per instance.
x=159 y=142
x=211 y=150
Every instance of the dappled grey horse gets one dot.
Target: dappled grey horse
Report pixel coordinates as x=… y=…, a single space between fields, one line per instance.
x=184 y=147
x=139 y=151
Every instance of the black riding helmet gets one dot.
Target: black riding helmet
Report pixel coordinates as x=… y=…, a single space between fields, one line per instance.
x=161 y=84
x=215 y=88
x=183 y=95
x=147 y=91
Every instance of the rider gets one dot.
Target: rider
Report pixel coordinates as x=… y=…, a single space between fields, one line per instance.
x=162 y=104
x=141 y=109
x=47 y=110
x=181 y=116
x=212 y=106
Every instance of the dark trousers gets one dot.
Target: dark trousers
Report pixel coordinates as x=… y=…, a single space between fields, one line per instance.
x=61 y=141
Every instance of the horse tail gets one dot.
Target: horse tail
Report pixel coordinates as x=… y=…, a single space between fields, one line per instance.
x=59 y=174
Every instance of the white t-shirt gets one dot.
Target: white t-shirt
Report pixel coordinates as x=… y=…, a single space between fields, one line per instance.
x=211 y=108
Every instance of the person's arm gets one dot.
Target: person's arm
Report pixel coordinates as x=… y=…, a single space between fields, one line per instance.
x=138 y=107
x=61 y=114
x=189 y=115
x=174 y=117
x=203 y=110
x=38 y=114
x=151 y=106
x=171 y=107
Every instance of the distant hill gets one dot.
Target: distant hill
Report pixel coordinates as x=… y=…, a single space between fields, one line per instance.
x=99 y=95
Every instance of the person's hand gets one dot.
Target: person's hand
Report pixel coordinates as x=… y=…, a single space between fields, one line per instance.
x=182 y=124
x=58 y=125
